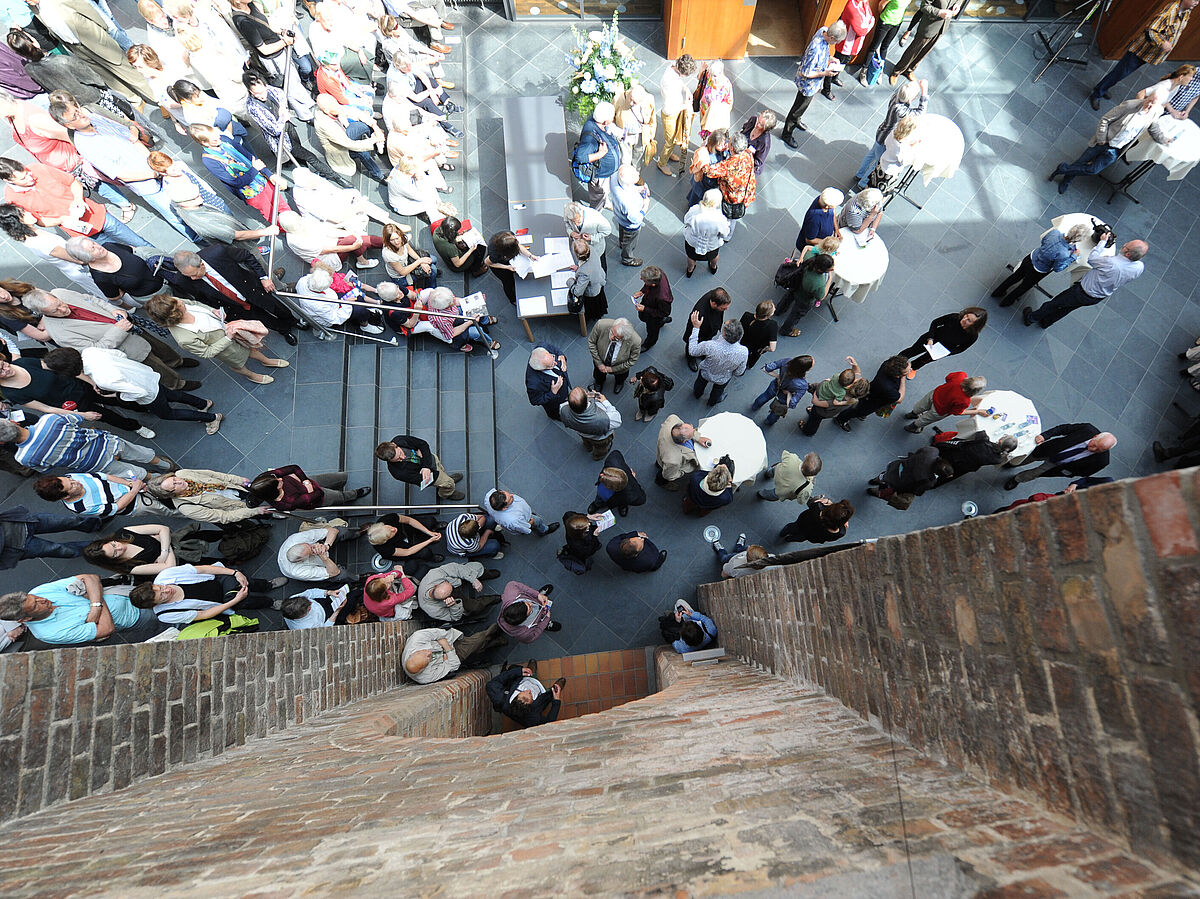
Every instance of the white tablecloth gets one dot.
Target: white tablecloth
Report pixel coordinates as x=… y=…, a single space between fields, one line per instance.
x=859 y=270
x=738 y=436
x=1014 y=414
x=941 y=148
x=1065 y=223
x=1178 y=156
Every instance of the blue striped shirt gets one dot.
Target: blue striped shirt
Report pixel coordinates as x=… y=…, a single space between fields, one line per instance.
x=57 y=441
x=99 y=498
x=457 y=544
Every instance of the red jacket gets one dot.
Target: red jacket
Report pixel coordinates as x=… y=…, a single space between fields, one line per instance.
x=860 y=20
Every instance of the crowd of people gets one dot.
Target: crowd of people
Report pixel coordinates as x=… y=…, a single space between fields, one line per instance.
x=118 y=346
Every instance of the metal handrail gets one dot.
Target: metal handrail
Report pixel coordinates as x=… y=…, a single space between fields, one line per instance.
x=388 y=307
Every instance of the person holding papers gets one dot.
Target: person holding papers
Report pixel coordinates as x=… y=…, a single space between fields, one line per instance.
x=947 y=335
x=502 y=249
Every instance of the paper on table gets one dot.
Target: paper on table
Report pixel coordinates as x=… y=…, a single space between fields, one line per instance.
x=527 y=306
x=558 y=296
x=558 y=245
x=550 y=263
x=522 y=264
x=937 y=351
x=560 y=279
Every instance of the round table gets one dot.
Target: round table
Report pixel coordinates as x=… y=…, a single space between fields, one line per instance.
x=1065 y=223
x=1014 y=415
x=1179 y=156
x=859 y=270
x=941 y=148
x=737 y=436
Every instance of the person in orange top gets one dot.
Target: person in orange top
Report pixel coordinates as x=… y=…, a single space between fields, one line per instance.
x=735 y=178
x=55 y=198
x=335 y=82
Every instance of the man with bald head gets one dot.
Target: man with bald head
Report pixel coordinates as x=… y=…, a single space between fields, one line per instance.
x=1066 y=451
x=1107 y=273
x=590 y=415
x=434 y=653
x=451 y=592
x=546 y=381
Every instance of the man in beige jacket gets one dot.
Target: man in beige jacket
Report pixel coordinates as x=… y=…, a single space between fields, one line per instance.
x=675 y=458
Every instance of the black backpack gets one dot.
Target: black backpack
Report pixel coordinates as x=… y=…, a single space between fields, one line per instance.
x=788 y=274
x=244 y=543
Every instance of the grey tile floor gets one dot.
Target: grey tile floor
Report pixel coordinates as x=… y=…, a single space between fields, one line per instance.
x=1113 y=365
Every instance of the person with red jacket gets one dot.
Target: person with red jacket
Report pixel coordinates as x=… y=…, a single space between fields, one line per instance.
x=859 y=19
x=958 y=396
x=289 y=488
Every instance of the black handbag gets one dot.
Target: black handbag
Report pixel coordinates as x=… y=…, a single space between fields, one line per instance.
x=733 y=211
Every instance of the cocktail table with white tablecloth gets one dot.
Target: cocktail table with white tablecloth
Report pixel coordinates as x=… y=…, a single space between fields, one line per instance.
x=938 y=153
x=859 y=270
x=738 y=437
x=1013 y=415
x=1065 y=223
x=1178 y=157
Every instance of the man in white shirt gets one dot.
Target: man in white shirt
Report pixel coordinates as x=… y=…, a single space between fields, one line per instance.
x=305 y=556
x=187 y=593
x=313 y=608
x=675 y=108
x=1118 y=129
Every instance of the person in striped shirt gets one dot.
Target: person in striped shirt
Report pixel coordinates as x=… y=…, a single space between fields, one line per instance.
x=95 y=495
x=469 y=536
x=60 y=441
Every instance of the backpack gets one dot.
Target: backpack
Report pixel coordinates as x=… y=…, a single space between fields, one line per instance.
x=218 y=627
x=245 y=543
x=580 y=167
x=788 y=274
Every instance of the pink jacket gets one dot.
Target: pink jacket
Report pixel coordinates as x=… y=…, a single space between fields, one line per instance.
x=518 y=592
x=860 y=20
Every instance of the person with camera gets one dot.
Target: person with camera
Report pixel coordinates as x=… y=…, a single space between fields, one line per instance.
x=1107 y=273
x=1056 y=253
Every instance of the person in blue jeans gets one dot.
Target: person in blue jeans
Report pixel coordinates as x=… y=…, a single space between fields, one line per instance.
x=1118 y=129
x=696 y=631
x=1149 y=47
x=789 y=384
x=20 y=540
x=512 y=512
x=910 y=98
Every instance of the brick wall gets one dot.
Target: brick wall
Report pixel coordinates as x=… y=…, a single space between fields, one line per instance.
x=80 y=721
x=728 y=780
x=1053 y=650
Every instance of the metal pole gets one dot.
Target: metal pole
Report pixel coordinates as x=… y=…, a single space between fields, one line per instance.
x=283 y=103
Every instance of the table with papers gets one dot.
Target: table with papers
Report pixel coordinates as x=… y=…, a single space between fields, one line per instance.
x=538 y=174
x=858 y=270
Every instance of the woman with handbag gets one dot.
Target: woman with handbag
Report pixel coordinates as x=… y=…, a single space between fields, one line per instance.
x=585 y=291
x=787 y=387
x=735 y=178
x=716 y=99
x=653 y=303
x=714 y=149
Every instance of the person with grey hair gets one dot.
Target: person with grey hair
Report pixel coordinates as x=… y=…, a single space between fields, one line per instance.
x=586 y=286
x=1106 y=275
x=911 y=98
x=960 y=395
x=721 y=359
x=229 y=278
x=590 y=415
x=305 y=556
x=77 y=320
x=735 y=179
x=71 y=610
x=705 y=230
x=116 y=270
x=814 y=67
x=1056 y=253
x=546 y=380
x=758 y=135
x=599 y=148
x=968 y=454
x=584 y=223
x=320 y=304
x=863 y=212
x=630 y=202
x=615 y=348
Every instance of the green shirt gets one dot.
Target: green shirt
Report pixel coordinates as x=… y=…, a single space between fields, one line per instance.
x=892 y=12
x=830 y=391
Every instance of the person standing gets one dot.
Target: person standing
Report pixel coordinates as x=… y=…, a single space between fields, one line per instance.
x=812 y=70
x=735 y=179
x=834 y=395
x=590 y=415
x=820 y=219
x=721 y=359
x=711 y=308
x=615 y=348
x=792 y=478
x=786 y=388
x=517 y=693
x=546 y=381
x=758 y=135
x=600 y=147
x=586 y=285
x=1150 y=47
x=954 y=332
x=1066 y=451
x=634 y=552
x=887 y=389
x=513 y=513
x=935 y=19
x=630 y=203
x=958 y=396
x=910 y=98
x=653 y=304
x=859 y=19
x=760 y=332
x=716 y=100
x=1056 y=253
x=617 y=487
x=1119 y=129
x=1106 y=275
x=824 y=521
x=891 y=15
x=705 y=230
x=675 y=109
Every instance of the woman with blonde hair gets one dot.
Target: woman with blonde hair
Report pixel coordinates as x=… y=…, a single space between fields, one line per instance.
x=203 y=332
x=217 y=60
x=404 y=263
x=412 y=191
x=716 y=101
x=705 y=230
x=708 y=491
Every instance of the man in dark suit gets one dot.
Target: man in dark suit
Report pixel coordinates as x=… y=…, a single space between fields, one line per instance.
x=968 y=454
x=517 y=693
x=1066 y=451
x=935 y=19
x=712 y=308
x=232 y=278
x=409 y=459
x=617 y=487
x=546 y=379
x=633 y=551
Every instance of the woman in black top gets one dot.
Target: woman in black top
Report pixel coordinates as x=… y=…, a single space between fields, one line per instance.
x=115 y=268
x=26 y=382
x=502 y=249
x=822 y=522
x=887 y=389
x=653 y=303
x=397 y=536
x=454 y=250
x=580 y=533
x=760 y=332
x=956 y=332
x=617 y=487
x=146 y=549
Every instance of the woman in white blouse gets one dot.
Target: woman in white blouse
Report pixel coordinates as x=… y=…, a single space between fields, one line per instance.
x=203 y=332
x=412 y=191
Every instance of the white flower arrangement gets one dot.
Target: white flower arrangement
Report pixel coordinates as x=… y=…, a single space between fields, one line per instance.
x=604 y=66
